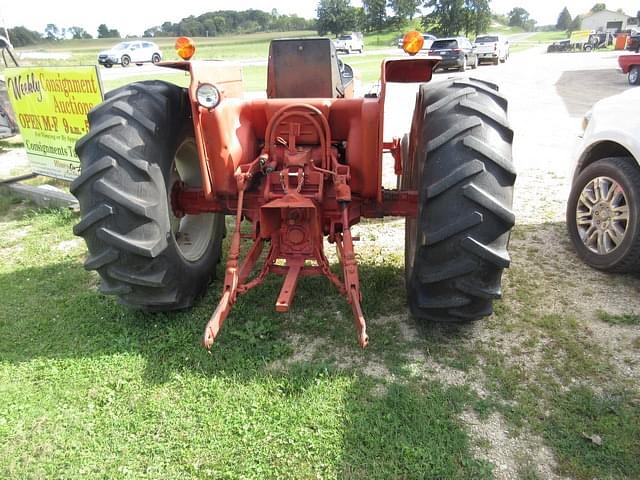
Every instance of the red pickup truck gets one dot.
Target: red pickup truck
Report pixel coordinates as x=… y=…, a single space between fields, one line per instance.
x=630 y=64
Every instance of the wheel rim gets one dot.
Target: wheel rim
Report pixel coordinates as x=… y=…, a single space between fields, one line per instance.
x=192 y=233
x=602 y=215
x=125 y=61
x=633 y=75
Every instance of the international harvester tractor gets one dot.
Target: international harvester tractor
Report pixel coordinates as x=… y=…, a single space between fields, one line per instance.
x=162 y=166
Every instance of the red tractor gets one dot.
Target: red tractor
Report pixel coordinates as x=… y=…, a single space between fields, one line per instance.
x=163 y=165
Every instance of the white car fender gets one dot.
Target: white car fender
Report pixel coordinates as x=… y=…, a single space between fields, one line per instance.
x=613 y=119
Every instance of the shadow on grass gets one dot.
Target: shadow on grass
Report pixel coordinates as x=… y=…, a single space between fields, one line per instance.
x=56 y=312
x=388 y=429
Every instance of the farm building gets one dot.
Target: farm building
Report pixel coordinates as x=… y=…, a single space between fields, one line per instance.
x=608 y=21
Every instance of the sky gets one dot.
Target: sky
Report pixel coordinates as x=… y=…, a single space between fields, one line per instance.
x=131 y=17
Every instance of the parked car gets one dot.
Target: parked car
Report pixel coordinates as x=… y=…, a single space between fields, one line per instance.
x=350 y=42
x=603 y=210
x=126 y=53
x=630 y=64
x=493 y=47
x=560 y=46
x=428 y=40
x=456 y=52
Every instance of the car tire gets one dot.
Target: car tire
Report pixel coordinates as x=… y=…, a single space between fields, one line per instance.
x=108 y=65
x=634 y=75
x=155 y=58
x=140 y=143
x=125 y=61
x=459 y=161
x=616 y=245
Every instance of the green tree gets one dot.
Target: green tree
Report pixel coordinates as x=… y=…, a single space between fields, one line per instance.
x=447 y=17
x=335 y=16
x=21 y=36
x=106 y=32
x=404 y=10
x=598 y=7
x=375 y=14
x=518 y=17
x=477 y=16
x=52 y=32
x=450 y=17
x=576 y=24
x=79 y=33
x=564 y=20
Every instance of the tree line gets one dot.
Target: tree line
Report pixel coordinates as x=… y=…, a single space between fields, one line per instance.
x=224 y=22
x=21 y=36
x=440 y=17
x=211 y=24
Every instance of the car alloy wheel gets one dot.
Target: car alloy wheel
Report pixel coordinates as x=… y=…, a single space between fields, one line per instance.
x=602 y=215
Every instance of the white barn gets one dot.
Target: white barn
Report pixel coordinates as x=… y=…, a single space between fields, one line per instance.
x=608 y=21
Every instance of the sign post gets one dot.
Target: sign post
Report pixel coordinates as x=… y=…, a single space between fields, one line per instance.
x=51 y=106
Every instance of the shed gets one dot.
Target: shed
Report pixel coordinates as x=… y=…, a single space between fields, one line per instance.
x=608 y=21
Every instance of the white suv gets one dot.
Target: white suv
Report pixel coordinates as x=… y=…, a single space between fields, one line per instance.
x=603 y=210
x=125 y=53
x=350 y=42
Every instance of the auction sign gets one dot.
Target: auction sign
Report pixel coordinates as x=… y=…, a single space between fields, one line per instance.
x=579 y=36
x=51 y=106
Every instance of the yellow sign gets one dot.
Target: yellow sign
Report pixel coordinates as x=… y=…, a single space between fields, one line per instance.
x=579 y=36
x=51 y=106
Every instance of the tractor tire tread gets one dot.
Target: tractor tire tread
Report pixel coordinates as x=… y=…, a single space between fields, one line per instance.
x=482 y=148
x=465 y=173
x=124 y=206
x=486 y=88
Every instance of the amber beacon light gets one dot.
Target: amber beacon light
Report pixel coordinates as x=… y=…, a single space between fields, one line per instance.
x=185 y=47
x=412 y=42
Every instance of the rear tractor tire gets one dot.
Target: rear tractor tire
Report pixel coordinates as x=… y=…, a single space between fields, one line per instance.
x=140 y=143
x=460 y=163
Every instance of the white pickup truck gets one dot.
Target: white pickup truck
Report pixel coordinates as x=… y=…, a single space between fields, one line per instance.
x=350 y=42
x=492 y=47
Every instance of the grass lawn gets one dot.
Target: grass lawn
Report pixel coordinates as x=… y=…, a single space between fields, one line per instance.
x=90 y=388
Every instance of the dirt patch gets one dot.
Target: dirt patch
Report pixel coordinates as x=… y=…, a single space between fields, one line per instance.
x=14 y=234
x=68 y=246
x=511 y=456
x=306 y=349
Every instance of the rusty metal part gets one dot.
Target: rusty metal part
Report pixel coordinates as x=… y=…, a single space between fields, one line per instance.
x=297 y=170
x=290 y=218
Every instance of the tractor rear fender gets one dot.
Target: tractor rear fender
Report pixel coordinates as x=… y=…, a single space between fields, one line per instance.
x=409 y=70
x=220 y=124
